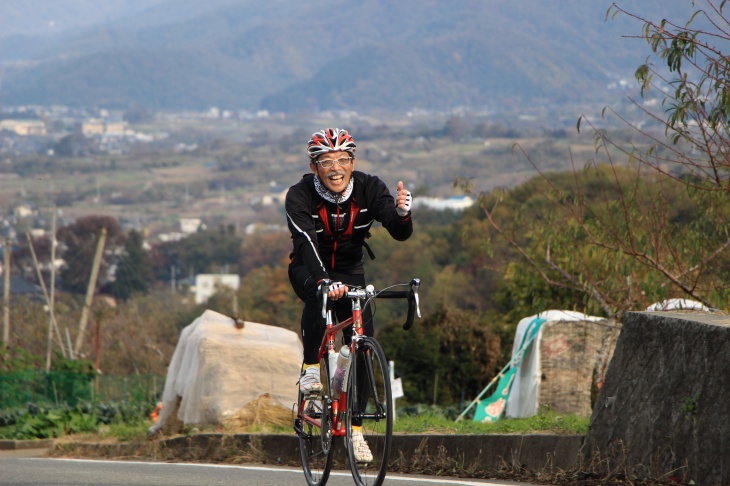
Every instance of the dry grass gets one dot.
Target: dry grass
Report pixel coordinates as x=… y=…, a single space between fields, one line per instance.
x=263 y=413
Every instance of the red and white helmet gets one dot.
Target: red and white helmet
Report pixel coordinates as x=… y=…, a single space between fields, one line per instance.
x=330 y=140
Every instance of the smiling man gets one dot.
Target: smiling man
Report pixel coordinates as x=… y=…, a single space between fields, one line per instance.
x=329 y=213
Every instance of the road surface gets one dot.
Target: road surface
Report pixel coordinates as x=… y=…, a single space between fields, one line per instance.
x=16 y=470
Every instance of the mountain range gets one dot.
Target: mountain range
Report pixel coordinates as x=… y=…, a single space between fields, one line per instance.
x=290 y=56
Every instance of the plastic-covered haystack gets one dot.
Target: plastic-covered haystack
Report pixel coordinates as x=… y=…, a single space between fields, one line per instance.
x=218 y=369
x=677 y=304
x=572 y=348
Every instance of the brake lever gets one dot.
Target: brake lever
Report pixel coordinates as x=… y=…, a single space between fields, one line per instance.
x=415 y=284
x=324 y=286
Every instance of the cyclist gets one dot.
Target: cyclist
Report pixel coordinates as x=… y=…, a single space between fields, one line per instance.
x=329 y=213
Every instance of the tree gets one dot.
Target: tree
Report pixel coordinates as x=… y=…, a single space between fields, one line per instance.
x=79 y=241
x=626 y=237
x=265 y=249
x=210 y=251
x=22 y=258
x=74 y=145
x=456 y=128
x=452 y=344
x=133 y=274
x=138 y=114
x=692 y=81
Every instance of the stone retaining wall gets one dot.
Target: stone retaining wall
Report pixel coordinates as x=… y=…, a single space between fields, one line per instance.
x=664 y=409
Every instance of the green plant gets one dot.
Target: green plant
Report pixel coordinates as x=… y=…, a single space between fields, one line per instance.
x=689 y=406
x=433 y=420
x=48 y=423
x=121 y=420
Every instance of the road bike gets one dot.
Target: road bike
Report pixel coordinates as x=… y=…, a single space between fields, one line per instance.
x=365 y=396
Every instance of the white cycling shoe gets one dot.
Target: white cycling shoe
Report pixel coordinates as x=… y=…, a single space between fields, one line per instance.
x=361 y=447
x=309 y=382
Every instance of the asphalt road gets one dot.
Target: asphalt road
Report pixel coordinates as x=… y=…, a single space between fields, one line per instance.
x=17 y=470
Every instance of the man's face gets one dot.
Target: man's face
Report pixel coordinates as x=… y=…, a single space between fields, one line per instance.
x=337 y=177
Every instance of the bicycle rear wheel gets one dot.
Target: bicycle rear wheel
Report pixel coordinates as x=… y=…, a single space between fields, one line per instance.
x=315 y=443
x=369 y=403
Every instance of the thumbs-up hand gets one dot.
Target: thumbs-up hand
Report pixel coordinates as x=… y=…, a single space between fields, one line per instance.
x=403 y=200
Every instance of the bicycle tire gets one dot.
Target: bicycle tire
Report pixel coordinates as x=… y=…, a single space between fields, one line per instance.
x=373 y=407
x=316 y=443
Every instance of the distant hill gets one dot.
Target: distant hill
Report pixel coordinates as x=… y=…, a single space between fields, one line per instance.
x=48 y=17
x=337 y=54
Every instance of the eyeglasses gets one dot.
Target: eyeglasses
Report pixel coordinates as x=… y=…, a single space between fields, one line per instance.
x=329 y=163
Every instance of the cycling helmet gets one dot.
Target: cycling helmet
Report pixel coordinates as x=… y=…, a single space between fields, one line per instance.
x=330 y=140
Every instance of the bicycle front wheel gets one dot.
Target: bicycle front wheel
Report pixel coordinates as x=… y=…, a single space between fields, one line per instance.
x=369 y=406
x=314 y=428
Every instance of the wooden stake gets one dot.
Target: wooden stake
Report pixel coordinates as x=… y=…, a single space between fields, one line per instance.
x=90 y=291
x=97 y=354
x=49 y=346
x=6 y=296
x=53 y=325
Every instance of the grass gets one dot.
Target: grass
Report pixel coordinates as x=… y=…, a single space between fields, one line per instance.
x=546 y=421
x=429 y=421
x=410 y=420
x=125 y=432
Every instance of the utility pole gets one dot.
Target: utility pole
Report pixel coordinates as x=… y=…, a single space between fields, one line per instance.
x=90 y=291
x=6 y=296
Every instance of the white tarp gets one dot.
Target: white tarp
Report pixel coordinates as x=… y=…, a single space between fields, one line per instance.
x=677 y=304
x=217 y=369
x=523 y=397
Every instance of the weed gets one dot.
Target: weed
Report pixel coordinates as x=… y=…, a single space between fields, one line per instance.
x=689 y=406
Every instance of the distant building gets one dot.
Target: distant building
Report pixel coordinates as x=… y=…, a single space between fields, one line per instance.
x=191 y=225
x=22 y=287
x=276 y=195
x=207 y=284
x=92 y=127
x=24 y=127
x=103 y=127
x=171 y=236
x=23 y=211
x=115 y=128
x=456 y=203
x=253 y=228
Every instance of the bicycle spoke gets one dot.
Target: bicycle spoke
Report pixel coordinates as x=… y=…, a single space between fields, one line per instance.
x=315 y=443
x=369 y=384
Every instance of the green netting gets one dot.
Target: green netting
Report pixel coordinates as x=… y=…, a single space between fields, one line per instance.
x=60 y=387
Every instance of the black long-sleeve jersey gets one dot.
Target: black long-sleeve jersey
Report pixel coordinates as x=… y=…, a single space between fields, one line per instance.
x=328 y=236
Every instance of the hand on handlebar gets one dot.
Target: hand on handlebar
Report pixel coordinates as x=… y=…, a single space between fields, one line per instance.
x=337 y=290
x=330 y=290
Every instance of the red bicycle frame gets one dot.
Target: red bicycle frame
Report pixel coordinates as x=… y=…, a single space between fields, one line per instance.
x=327 y=347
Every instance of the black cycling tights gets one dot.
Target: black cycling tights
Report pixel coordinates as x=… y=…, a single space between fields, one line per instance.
x=312 y=322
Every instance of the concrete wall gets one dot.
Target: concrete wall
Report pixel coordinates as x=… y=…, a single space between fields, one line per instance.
x=664 y=408
x=467 y=455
